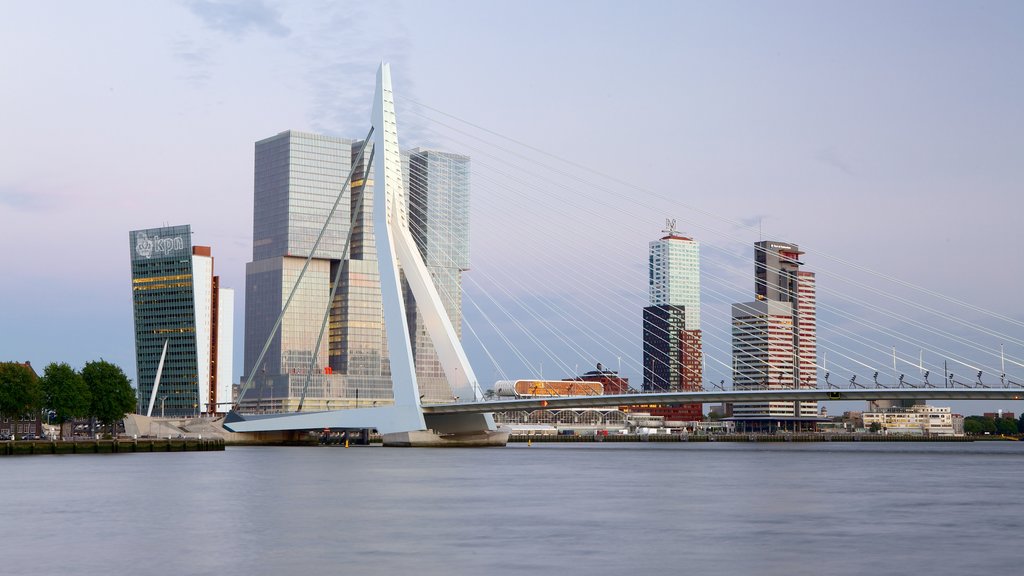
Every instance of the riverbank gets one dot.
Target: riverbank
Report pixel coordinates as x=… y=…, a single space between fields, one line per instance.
x=118 y=446
x=743 y=438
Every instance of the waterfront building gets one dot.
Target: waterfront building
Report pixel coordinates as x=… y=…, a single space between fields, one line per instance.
x=437 y=193
x=672 y=354
x=179 y=305
x=610 y=380
x=298 y=177
x=774 y=339
x=918 y=419
x=1001 y=414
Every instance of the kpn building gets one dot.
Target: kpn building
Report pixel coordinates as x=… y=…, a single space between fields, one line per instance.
x=183 y=325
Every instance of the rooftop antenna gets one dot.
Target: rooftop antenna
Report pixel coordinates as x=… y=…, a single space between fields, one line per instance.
x=670 y=226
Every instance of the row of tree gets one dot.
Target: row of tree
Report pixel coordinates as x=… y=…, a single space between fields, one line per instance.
x=100 y=390
x=982 y=424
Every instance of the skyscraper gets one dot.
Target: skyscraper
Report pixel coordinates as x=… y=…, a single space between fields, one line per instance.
x=437 y=186
x=298 y=179
x=774 y=338
x=672 y=336
x=178 y=303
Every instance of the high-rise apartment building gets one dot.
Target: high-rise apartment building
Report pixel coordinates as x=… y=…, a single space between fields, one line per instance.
x=774 y=339
x=672 y=349
x=672 y=354
x=298 y=179
x=178 y=303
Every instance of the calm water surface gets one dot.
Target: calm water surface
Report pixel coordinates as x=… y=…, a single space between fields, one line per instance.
x=548 y=509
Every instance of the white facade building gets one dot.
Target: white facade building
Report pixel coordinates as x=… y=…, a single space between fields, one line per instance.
x=225 y=347
x=202 y=286
x=919 y=419
x=675 y=275
x=215 y=319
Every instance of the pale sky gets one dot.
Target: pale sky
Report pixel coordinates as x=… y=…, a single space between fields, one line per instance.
x=887 y=135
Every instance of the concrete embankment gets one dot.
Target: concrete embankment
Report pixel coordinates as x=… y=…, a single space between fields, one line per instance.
x=153 y=427
x=737 y=438
x=120 y=446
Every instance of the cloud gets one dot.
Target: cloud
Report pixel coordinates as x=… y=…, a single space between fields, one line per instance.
x=829 y=157
x=237 y=19
x=24 y=201
x=196 y=58
x=342 y=49
x=752 y=222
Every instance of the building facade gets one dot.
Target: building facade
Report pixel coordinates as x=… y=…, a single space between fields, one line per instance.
x=437 y=193
x=917 y=419
x=672 y=353
x=774 y=339
x=178 y=303
x=298 y=179
x=610 y=380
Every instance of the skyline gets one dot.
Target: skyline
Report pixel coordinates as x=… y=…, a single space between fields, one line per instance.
x=915 y=126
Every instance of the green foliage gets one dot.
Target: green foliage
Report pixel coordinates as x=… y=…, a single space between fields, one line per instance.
x=65 y=393
x=19 y=391
x=1006 y=426
x=979 y=425
x=112 y=392
x=875 y=427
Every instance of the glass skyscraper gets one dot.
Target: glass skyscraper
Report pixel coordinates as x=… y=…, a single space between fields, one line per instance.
x=178 y=301
x=437 y=185
x=672 y=336
x=298 y=179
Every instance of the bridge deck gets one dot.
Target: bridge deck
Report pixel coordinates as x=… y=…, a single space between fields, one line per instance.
x=808 y=395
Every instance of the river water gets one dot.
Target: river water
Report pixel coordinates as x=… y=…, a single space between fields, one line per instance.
x=564 y=509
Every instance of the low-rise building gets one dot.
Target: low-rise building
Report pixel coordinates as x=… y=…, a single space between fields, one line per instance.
x=920 y=419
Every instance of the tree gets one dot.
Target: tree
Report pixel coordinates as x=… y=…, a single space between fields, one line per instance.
x=979 y=425
x=875 y=427
x=65 y=393
x=19 y=393
x=972 y=426
x=112 y=392
x=1006 y=426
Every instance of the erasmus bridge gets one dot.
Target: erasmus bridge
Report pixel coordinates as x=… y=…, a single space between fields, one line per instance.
x=468 y=418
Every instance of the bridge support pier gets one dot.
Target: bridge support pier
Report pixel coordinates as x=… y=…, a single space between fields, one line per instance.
x=451 y=430
x=433 y=439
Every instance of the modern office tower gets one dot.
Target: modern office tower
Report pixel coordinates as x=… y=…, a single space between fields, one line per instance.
x=178 y=303
x=298 y=179
x=774 y=339
x=437 y=192
x=672 y=337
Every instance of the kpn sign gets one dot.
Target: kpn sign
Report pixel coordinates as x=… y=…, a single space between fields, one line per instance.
x=161 y=243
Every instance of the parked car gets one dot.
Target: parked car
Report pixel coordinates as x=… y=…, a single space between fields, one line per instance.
x=29 y=437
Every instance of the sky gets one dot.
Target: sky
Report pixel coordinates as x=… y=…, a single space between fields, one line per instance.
x=874 y=134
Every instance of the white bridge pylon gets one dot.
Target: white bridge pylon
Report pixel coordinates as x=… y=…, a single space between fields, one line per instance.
x=396 y=248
